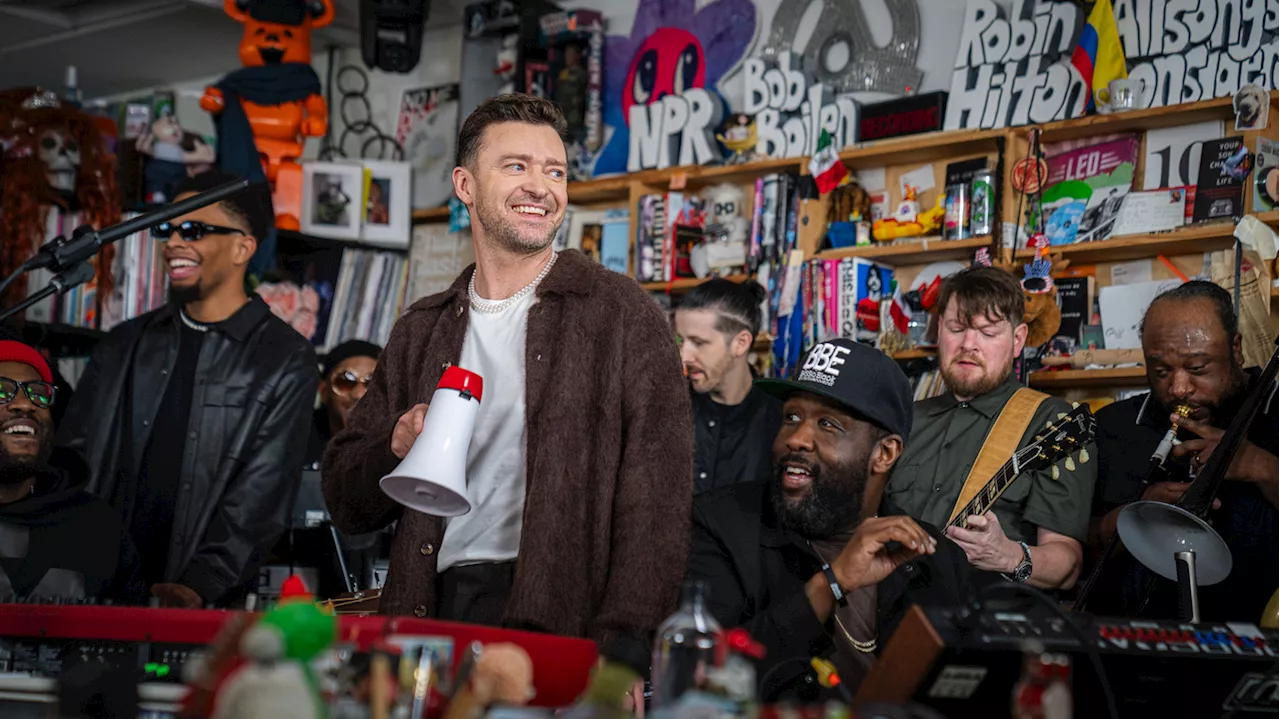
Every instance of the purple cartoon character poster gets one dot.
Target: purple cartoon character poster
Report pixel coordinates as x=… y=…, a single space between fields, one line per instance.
x=673 y=47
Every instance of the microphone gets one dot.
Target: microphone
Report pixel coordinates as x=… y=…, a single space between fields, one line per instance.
x=1161 y=454
x=60 y=253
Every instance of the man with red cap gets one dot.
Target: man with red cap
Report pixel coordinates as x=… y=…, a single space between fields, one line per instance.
x=46 y=516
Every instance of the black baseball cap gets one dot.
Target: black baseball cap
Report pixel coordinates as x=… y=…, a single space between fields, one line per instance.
x=860 y=378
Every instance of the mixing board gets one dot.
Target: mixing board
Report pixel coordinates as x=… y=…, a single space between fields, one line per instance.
x=965 y=663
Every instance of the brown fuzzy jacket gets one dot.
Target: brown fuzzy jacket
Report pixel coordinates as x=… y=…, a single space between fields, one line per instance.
x=610 y=456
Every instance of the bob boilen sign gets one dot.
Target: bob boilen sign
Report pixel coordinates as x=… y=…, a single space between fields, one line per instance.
x=790 y=110
x=1014 y=68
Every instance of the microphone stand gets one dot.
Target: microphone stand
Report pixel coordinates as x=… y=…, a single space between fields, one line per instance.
x=68 y=258
x=1155 y=468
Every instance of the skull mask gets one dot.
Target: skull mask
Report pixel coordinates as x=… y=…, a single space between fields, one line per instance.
x=60 y=154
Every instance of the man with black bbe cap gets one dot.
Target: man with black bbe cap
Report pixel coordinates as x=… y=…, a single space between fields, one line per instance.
x=813 y=562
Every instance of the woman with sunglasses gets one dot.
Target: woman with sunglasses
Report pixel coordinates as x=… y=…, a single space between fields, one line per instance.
x=348 y=370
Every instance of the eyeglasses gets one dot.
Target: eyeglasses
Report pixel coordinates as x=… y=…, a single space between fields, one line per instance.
x=40 y=393
x=191 y=230
x=346 y=382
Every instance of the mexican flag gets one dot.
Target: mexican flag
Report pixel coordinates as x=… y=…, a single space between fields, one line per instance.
x=825 y=165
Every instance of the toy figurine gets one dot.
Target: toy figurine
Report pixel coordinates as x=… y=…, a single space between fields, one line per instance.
x=267 y=109
x=908 y=220
x=738 y=135
x=277 y=682
x=174 y=155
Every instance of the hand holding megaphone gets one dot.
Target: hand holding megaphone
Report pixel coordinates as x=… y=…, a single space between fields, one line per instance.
x=431 y=440
x=408 y=427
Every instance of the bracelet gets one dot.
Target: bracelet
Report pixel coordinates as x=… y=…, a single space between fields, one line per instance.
x=835 y=586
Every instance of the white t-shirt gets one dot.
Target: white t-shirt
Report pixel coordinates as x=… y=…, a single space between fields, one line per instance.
x=494 y=348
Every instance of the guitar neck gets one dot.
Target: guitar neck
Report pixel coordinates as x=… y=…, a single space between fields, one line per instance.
x=987 y=496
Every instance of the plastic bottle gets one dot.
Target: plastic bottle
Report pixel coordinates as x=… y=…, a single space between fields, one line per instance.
x=684 y=648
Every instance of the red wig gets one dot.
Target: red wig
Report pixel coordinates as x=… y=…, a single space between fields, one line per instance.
x=25 y=194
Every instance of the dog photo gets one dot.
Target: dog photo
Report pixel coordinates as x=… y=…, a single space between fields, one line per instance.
x=1251 y=105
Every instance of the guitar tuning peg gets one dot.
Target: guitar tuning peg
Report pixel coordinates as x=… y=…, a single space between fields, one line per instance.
x=1075 y=405
x=1070 y=464
x=1084 y=456
x=1055 y=472
x=1062 y=415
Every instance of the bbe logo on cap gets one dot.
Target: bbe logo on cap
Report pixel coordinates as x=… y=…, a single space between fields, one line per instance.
x=822 y=366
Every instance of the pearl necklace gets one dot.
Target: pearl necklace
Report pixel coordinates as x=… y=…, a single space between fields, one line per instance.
x=480 y=304
x=192 y=323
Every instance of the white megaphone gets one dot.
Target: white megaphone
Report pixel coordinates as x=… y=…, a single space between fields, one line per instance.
x=433 y=476
x=1154 y=532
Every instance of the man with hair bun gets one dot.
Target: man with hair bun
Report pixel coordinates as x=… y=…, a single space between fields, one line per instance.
x=734 y=423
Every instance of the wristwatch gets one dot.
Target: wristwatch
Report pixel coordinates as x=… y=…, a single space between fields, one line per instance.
x=1022 y=572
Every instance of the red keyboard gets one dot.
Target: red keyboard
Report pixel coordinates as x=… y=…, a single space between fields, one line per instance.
x=35 y=632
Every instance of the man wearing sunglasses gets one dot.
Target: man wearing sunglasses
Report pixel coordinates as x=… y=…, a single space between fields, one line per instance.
x=46 y=516
x=193 y=418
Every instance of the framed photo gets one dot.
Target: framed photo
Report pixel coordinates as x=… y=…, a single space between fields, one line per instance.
x=332 y=199
x=388 y=203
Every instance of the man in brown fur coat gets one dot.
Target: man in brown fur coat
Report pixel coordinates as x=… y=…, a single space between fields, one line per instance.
x=580 y=469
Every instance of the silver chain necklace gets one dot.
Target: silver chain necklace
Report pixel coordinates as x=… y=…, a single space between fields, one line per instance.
x=480 y=304
x=192 y=323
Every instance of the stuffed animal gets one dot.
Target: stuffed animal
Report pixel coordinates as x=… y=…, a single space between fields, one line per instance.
x=266 y=110
x=277 y=682
x=1042 y=314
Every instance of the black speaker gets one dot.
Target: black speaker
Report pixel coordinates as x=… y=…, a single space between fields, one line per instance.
x=391 y=33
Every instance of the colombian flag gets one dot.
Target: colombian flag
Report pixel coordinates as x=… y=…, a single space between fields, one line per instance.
x=1099 y=56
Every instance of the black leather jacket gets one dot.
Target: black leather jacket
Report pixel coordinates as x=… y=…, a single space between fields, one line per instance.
x=250 y=413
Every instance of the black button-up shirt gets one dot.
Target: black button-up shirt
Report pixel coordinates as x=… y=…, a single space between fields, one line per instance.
x=733 y=443
x=1127 y=434
x=755 y=571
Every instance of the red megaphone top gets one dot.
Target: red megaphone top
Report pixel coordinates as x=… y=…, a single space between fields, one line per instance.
x=461 y=380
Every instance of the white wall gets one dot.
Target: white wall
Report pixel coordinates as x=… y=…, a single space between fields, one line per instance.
x=442 y=53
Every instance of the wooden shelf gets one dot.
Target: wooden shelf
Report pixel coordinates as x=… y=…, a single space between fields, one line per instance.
x=915 y=354
x=1189 y=239
x=431 y=214
x=604 y=189
x=698 y=176
x=1139 y=120
x=1066 y=379
x=922 y=148
x=682 y=284
x=1271 y=218
x=911 y=250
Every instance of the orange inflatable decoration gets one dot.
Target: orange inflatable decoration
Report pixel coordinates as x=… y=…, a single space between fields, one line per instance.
x=277 y=92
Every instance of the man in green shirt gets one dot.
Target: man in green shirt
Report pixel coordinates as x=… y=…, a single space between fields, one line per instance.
x=1036 y=530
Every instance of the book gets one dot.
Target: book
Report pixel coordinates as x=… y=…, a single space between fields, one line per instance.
x=1224 y=165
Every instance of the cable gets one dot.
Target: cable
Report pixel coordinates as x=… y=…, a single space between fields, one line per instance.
x=1090 y=648
x=328 y=152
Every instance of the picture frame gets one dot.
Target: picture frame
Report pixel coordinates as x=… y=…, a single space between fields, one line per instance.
x=388 y=202
x=333 y=195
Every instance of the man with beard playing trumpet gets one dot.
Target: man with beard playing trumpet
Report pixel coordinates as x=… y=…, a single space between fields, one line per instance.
x=1035 y=531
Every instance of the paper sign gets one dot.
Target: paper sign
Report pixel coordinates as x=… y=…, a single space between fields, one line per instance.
x=1131 y=273
x=1155 y=211
x=872 y=180
x=920 y=178
x=1173 y=154
x=1123 y=307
